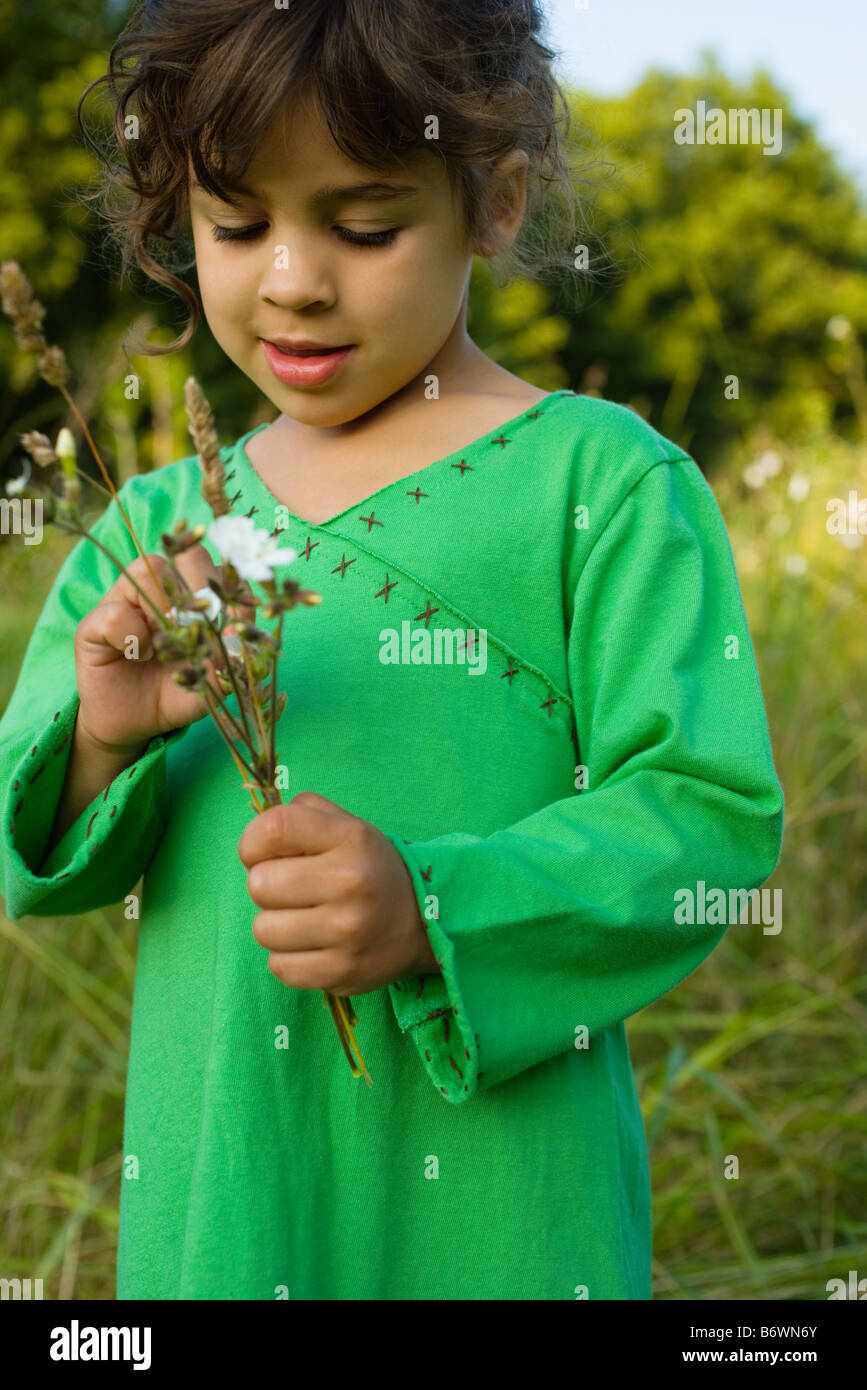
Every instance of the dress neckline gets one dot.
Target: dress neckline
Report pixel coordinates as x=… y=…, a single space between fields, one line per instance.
x=242 y=460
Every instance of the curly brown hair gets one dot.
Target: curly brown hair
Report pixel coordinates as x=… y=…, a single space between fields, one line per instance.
x=200 y=83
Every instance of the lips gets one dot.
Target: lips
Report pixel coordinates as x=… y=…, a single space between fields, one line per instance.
x=292 y=349
x=304 y=365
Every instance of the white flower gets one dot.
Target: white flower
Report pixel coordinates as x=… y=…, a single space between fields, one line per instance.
x=248 y=548
x=64 y=447
x=799 y=486
x=838 y=327
x=796 y=565
x=186 y=616
x=232 y=643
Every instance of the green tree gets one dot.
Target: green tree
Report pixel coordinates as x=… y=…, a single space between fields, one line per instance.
x=731 y=263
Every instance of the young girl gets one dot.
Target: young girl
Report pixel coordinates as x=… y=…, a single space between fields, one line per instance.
x=524 y=725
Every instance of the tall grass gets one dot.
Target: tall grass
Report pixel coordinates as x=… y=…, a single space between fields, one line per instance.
x=761 y=1053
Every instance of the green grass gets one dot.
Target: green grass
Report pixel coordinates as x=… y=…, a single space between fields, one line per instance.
x=759 y=1055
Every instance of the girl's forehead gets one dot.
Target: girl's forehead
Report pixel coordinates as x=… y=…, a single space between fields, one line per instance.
x=317 y=169
x=299 y=144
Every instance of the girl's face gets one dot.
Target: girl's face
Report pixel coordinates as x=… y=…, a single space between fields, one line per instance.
x=287 y=264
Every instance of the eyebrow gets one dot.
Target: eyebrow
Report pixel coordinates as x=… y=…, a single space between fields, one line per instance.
x=334 y=194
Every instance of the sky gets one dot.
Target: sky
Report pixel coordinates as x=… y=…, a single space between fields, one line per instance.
x=816 y=50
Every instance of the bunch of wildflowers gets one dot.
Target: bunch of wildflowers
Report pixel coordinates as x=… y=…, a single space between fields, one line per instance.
x=194 y=627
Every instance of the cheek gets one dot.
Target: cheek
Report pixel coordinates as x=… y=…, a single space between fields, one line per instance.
x=225 y=282
x=420 y=287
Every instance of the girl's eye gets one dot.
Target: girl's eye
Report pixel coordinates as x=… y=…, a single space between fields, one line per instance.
x=367 y=238
x=238 y=233
x=384 y=238
x=248 y=234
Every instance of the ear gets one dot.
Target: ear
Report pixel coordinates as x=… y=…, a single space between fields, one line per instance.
x=507 y=202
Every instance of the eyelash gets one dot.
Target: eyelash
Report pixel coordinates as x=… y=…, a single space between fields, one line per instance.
x=384 y=238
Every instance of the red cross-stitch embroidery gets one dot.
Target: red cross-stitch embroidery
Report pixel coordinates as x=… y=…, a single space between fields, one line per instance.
x=384 y=591
x=427 y=614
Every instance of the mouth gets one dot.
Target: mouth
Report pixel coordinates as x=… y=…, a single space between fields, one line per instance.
x=290 y=349
x=304 y=364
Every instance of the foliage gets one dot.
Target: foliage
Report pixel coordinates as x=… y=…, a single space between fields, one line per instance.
x=732 y=262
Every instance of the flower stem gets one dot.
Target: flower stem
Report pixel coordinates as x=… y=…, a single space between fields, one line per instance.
x=243 y=768
x=251 y=684
x=104 y=471
x=272 y=713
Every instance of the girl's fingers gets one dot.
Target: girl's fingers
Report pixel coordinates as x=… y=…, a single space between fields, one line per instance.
x=145 y=588
x=196 y=566
x=115 y=626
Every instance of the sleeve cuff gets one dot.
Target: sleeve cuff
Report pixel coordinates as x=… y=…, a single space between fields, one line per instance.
x=430 y=1007
x=63 y=882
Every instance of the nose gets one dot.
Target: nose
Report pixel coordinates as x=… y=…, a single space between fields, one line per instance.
x=294 y=276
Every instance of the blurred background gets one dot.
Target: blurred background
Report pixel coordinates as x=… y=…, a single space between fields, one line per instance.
x=729 y=263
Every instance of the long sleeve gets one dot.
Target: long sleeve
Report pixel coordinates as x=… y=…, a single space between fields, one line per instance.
x=573 y=916
x=103 y=854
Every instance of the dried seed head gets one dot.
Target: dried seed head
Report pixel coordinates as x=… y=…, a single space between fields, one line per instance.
x=167 y=645
x=40 y=448
x=187 y=677
x=260 y=665
x=207 y=444
x=19 y=305
x=256 y=636
x=53 y=367
x=181 y=539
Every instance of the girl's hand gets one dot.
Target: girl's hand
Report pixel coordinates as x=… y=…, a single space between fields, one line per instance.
x=126 y=701
x=339 y=909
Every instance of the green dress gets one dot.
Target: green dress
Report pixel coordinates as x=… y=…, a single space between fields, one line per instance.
x=596 y=743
